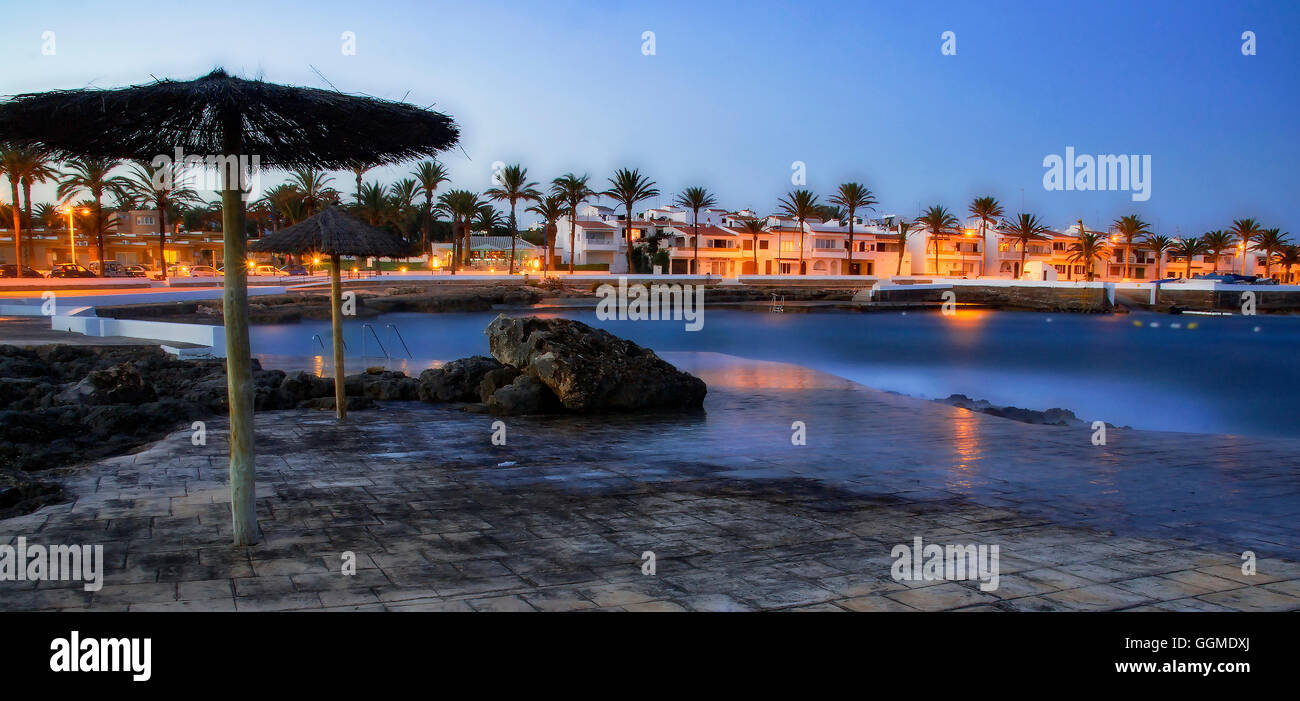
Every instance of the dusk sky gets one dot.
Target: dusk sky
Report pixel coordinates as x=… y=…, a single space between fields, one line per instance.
x=735 y=92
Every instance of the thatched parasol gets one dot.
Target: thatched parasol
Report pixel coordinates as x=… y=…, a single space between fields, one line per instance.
x=222 y=116
x=334 y=233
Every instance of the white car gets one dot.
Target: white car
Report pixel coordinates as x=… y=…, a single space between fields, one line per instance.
x=204 y=271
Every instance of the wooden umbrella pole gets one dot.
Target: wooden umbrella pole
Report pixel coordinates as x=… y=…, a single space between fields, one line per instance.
x=239 y=373
x=336 y=325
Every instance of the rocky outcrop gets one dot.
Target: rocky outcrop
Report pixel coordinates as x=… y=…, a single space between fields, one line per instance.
x=61 y=405
x=589 y=370
x=457 y=381
x=526 y=395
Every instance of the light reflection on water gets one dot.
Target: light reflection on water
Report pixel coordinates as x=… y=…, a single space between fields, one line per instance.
x=1222 y=377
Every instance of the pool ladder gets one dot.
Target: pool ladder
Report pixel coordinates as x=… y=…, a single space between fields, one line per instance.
x=778 y=303
x=394 y=333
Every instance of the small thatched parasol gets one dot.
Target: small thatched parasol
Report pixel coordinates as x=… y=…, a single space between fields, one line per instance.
x=222 y=116
x=334 y=233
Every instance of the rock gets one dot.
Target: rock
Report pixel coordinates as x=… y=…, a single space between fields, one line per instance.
x=494 y=380
x=457 y=381
x=382 y=384
x=526 y=395
x=591 y=370
x=302 y=386
x=121 y=384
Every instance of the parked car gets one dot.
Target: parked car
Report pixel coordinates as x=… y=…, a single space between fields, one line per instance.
x=293 y=270
x=264 y=270
x=11 y=270
x=137 y=271
x=204 y=271
x=110 y=268
x=178 y=270
x=71 y=270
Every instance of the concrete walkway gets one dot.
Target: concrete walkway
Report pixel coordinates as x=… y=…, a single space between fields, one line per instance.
x=737 y=517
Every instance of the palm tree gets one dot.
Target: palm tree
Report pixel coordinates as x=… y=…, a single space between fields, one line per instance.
x=1189 y=248
x=940 y=222
x=1158 y=245
x=1216 y=242
x=1246 y=230
x=988 y=211
x=754 y=227
x=11 y=164
x=24 y=166
x=1270 y=241
x=1288 y=256
x=513 y=186
x=372 y=203
x=429 y=174
x=1024 y=228
x=1089 y=248
x=550 y=209
x=91 y=176
x=284 y=201
x=315 y=189
x=852 y=197
x=695 y=199
x=463 y=206
x=358 y=172
x=162 y=187
x=575 y=191
x=628 y=187
x=802 y=205
x=1130 y=227
x=904 y=228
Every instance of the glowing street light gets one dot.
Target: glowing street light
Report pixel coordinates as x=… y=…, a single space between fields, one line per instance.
x=72 y=241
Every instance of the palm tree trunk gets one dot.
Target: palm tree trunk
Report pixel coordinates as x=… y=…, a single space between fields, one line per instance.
x=513 y=235
x=239 y=373
x=898 y=269
x=573 y=216
x=627 y=234
x=755 y=254
x=1128 y=249
x=695 y=264
x=162 y=239
x=18 y=229
x=1024 y=248
x=27 y=209
x=849 y=270
x=801 y=247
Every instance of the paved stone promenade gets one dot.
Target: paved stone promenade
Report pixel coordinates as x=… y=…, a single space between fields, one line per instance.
x=737 y=517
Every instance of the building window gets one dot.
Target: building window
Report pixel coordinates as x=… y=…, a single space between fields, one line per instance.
x=762 y=245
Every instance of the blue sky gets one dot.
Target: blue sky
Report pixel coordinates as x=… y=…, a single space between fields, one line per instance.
x=737 y=91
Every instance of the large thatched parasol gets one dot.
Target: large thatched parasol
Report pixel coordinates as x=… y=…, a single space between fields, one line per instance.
x=334 y=233
x=222 y=116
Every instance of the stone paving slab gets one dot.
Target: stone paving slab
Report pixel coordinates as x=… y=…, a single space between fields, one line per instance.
x=738 y=519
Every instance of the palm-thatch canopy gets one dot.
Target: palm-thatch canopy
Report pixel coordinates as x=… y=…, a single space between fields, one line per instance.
x=285 y=126
x=332 y=231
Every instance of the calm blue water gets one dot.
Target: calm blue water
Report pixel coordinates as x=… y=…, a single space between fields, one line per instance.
x=1227 y=375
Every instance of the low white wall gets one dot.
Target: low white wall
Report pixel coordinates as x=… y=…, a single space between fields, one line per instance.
x=212 y=338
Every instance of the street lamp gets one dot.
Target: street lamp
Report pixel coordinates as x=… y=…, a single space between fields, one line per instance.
x=72 y=242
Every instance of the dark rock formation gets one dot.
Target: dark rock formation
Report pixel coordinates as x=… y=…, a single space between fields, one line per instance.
x=494 y=380
x=62 y=405
x=591 y=370
x=526 y=395
x=457 y=381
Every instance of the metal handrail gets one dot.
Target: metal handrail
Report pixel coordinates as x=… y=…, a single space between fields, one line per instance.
x=403 y=340
x=371 y=327
x=322 y=343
